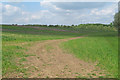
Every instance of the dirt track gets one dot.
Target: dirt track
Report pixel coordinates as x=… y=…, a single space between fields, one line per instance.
x=51 y=61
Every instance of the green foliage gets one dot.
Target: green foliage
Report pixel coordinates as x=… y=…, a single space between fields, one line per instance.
x=117 y=20
x=93 y=27
x=96 y=27
x=99 y=48
x=8 y=38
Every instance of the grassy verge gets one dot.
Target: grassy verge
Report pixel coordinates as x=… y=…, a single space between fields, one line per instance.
x=98 y=47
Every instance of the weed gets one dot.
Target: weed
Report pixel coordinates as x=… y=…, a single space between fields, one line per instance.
x=88 y=74
x=47 y=77
x=22 y=60
x=93 y=74
x=101 y=76
x=39 y=74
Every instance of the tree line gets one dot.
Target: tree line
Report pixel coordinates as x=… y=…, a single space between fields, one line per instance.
x=116 y=21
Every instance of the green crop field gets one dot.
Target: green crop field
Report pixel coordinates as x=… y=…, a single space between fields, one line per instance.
x=98 y=45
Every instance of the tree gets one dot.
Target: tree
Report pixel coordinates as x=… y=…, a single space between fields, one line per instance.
x=111 y=24
x=117 y=20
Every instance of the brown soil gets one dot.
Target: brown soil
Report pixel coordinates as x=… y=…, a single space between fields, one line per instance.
x=52 y=62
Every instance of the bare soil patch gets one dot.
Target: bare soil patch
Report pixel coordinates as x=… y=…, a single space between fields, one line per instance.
x=52 y=62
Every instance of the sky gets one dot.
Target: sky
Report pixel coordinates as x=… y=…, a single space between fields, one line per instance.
x=63 y=13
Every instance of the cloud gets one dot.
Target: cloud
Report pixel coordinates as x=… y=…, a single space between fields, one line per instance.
x=60 y=13
x=50 y=6
x=78 y=5
x=12 y=14
x=80 y=0
x=110 y=10
x=10 y=10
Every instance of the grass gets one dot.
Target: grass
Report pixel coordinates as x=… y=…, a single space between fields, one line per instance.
x=39 y=74
x=95 y=48
x=98 y=48
x=48 y=47
x=13 y=37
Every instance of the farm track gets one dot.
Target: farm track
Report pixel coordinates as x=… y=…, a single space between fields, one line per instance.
x=50 y=61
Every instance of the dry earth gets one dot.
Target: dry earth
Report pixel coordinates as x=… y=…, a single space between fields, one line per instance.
x=52 y=62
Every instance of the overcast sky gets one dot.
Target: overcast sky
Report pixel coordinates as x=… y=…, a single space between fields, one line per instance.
x=58 y=12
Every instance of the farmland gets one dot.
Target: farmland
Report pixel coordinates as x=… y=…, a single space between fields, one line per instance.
x=27 y=50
